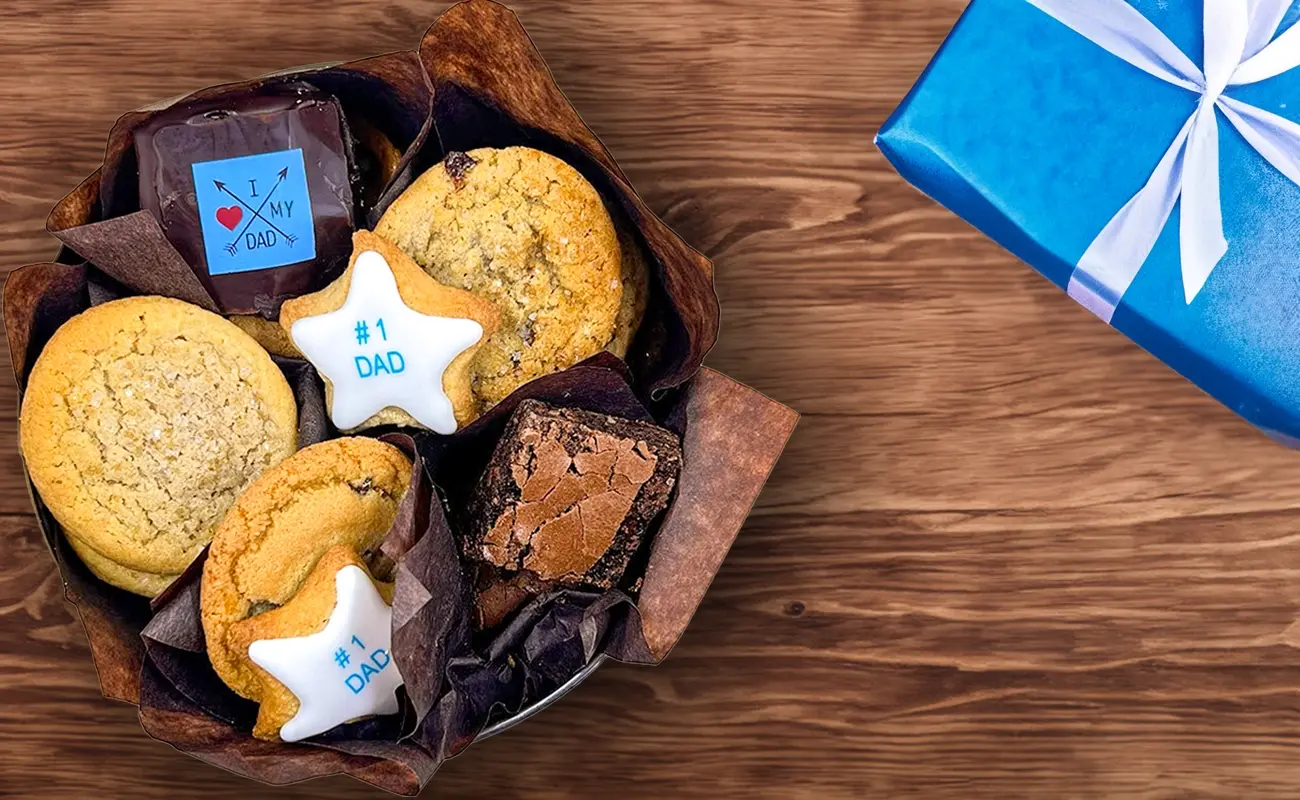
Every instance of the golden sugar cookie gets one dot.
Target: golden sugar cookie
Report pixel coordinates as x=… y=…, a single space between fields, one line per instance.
x=636 y=293
x=393 y=345
x=149 y=584
x=142 y=421
x=525 y=230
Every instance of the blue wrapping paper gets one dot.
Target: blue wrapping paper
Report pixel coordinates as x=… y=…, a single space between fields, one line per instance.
x=1037 y=137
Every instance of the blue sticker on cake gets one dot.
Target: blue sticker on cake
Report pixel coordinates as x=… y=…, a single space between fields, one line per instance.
x=255 y=212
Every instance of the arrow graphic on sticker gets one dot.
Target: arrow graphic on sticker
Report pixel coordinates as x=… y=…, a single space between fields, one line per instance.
x=257 y=212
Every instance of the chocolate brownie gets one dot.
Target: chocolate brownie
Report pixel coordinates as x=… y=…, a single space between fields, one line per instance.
x=254 y=192
x=569 y=495
x=497 y=596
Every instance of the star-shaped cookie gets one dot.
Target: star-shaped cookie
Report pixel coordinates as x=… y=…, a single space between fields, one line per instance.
x=393 y=345
x=325 y=657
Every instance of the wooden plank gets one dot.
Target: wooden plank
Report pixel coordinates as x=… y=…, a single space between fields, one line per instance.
x=981 y=570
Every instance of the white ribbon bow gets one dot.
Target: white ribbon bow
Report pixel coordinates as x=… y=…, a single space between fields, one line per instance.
x=1239 y=49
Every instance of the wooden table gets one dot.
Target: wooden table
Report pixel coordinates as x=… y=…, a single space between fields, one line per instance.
x=981 y=569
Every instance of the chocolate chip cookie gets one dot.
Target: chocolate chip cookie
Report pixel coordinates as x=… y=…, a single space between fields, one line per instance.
x=525 y=230
x=339 y=492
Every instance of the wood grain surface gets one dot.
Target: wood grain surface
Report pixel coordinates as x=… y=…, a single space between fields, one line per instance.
x=981 y=569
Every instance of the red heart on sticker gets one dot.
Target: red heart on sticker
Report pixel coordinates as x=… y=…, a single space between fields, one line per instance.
x=230 y=216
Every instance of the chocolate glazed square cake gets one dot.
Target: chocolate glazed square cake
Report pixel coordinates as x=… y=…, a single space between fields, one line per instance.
x=254 y=192
x=569 y=495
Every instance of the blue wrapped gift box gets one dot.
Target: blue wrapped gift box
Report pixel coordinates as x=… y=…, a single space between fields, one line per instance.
x=1038 y=136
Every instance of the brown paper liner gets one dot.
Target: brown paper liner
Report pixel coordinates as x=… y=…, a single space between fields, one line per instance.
x=492 y=90
x=37 y=300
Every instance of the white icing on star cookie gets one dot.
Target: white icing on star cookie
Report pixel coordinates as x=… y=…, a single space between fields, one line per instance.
x=378 y=352
x=343 y=673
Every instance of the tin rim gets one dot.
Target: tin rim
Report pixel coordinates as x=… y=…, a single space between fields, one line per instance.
x=536 y=708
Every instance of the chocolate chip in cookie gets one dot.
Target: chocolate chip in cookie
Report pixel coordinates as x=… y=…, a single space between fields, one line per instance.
x=526 y=231
x=458 y=164
x=274 y=536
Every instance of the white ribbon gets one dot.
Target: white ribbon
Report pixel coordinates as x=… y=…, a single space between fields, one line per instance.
x=1239 y=49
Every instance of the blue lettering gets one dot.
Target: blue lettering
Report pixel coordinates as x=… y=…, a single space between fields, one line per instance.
x=396 y=363
x=254 y=241
x=377 y=655
x=367 y=671
x=364 y=369
x=358 y=686
x=380 y=366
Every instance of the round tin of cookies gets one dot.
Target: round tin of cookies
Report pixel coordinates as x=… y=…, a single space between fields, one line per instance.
x=371 y=426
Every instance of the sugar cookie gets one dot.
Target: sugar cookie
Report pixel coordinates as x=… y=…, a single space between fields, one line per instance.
x=142 y=420
x=392 y=345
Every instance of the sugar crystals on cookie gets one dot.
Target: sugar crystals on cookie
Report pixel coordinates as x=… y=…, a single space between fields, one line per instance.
x=392 y=344
x=143 y=419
